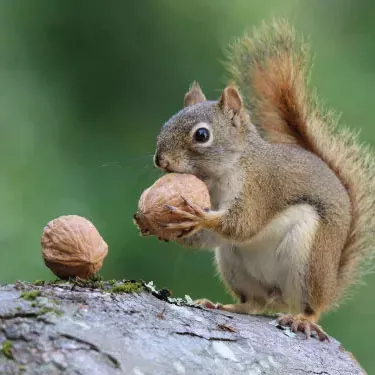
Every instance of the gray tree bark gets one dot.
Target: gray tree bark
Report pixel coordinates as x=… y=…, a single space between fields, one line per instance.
x=60 y=329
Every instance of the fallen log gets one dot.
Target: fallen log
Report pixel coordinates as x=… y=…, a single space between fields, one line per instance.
x=130 y=328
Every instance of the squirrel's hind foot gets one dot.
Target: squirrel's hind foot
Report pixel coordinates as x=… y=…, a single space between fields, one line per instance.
x=206 y=303
x=302 y=323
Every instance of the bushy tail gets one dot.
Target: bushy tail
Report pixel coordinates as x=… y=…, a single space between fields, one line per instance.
x=271 y=68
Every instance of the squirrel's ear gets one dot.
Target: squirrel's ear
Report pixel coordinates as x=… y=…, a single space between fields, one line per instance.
x=194 y=95
x=230 y=100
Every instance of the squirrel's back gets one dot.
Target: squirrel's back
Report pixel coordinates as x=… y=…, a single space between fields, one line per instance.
x=271 y=68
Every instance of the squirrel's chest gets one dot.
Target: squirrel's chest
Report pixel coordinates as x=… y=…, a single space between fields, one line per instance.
x=224 y=191
x=277 y=257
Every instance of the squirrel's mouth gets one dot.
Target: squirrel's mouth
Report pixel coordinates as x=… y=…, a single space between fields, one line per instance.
x=199 y=175
x=168 y=165
x=168 y=170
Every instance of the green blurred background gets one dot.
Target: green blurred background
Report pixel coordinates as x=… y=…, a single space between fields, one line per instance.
x=84 y=89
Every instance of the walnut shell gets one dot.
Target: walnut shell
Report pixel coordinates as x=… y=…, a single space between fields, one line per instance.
x=72 y=246
x=167 y=190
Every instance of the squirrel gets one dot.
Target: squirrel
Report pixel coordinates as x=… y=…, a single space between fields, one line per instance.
x=293 y=195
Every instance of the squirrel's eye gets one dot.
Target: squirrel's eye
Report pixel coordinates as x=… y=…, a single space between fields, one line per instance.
x=202 y=135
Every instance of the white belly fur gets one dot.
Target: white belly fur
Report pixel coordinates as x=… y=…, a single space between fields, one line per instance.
x=277 y=256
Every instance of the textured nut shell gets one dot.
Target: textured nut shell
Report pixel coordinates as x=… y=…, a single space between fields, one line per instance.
x=168 y=190
x=72 y=246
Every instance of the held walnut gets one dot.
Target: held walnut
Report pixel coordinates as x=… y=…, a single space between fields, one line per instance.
x=167 y=190
x=72 y=246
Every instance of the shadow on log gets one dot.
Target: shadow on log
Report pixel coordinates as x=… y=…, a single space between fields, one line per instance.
x=60 y=329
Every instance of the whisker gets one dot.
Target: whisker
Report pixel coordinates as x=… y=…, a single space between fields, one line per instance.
x=126 y=161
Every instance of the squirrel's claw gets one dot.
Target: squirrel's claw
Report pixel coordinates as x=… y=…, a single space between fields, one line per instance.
x=206 y=218
x=180 y=226
x=181 y=213
x=186 y=226
x=190 y=222
x=301 y=323
x=200 y=212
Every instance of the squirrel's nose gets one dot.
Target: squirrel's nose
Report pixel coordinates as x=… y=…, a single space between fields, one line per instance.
x=157 y=159
x=160 y=161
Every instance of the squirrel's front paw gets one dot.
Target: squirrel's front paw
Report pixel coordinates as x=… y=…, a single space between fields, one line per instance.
x=190 y=222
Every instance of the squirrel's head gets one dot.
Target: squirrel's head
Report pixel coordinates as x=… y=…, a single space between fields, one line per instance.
x=205 y=138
